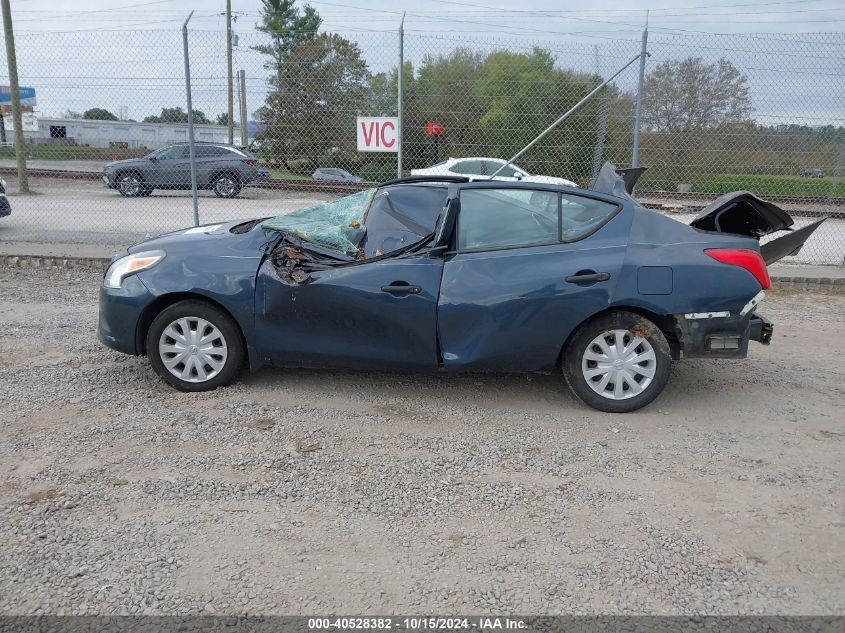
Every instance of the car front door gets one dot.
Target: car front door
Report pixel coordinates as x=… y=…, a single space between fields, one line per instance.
x=374 y=315
x=526 y=267
x=170 y=168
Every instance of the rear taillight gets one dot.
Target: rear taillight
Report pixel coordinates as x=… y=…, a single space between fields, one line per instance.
x=744 y=258
x=250 y=161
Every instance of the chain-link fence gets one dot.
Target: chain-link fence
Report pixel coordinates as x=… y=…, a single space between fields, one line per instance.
x=719 y=113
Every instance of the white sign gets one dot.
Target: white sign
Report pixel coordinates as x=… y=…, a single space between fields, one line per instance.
x=377 y=134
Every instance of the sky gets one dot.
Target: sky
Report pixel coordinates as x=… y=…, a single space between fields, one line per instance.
x=546 y=18
x=126 y=54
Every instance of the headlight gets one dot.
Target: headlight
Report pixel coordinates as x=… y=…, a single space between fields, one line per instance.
x=130 y=264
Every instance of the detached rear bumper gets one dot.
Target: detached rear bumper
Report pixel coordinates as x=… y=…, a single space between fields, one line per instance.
x=721 y=336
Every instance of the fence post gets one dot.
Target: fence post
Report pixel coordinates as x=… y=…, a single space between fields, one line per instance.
x=244 y=117
x=635 y=154
x=602 y=113
x=190 y=120
x=400 y=94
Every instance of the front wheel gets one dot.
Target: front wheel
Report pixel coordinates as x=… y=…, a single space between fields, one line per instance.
x=130 y=185
x=617 y=362
x=195 y=346
x=226 y=186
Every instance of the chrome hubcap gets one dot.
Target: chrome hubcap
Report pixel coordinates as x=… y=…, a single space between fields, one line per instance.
x=130 y=185
x=226 y=186
x=193 y=349
x=618 y=364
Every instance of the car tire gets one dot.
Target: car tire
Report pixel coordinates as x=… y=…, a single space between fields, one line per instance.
x=176 y=350
x=617 y=362
x=129 y=184
x=226 y=185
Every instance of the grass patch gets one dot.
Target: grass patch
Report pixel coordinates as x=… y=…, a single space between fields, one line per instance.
x=760 y=185
x=73 y=152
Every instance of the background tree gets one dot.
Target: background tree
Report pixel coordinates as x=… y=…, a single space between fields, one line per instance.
x=287 y=27
x=99 y=114
x=317 y=92
x=524 y=93
x=690 y=94
x=177 y=115
x=444 y=91
x=222 y=119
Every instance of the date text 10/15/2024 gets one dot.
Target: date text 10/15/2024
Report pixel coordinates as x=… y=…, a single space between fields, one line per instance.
x=418 y=623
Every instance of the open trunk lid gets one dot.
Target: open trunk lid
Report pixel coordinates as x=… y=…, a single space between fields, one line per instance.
x=739 y=213
x=743 y=213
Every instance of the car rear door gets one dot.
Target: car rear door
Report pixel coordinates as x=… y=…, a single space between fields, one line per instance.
x=526 y=267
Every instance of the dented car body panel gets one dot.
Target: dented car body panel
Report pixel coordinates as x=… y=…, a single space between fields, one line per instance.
x=428 y=291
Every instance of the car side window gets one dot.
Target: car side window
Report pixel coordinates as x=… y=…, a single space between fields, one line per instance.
x=171 y=153
x=509 y=172
x=499 y=218
x=581 y=216
x=469 y=167
x=206 y=151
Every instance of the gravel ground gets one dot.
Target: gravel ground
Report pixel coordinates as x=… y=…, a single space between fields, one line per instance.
x=303 y=492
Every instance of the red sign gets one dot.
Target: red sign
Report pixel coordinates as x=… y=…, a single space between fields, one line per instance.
x=435 y=129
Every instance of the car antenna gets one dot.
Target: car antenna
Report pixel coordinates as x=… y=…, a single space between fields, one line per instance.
x=565 y=115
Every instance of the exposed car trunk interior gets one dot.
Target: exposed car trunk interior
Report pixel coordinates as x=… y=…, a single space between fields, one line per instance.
x=742 y=213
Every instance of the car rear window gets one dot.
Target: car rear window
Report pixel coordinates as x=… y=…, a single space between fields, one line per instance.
x=580 y=216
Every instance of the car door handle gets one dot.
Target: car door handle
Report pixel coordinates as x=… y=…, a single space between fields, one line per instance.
x=587 y=278
x=401 y=289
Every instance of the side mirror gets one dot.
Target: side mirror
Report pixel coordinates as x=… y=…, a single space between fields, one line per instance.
x=153 y=158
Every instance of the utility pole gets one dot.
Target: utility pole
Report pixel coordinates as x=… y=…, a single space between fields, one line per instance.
x=244 y=122
x=230 y=106
x=17 y=122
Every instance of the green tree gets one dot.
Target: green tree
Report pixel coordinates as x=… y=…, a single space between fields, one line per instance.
x=287 y=27
x=522 y=94
x=318 y=90
x=99 y=114
x=690 y=94
x=444 y=91
x=177 y=115
x=222 y=119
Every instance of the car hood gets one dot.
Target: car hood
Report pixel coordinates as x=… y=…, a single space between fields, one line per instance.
x=211 y=235
x=118 y=163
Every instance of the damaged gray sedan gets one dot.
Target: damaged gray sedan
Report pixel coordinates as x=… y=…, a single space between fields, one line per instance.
x=441 y=274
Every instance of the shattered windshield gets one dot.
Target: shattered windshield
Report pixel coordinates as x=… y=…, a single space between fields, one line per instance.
x=338 y=225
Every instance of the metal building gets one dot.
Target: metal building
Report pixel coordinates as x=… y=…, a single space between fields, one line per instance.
x=118 y=134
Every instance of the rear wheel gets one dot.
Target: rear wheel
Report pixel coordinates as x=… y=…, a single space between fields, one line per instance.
x=195 y=346
x=617 y=362
x=130 y=185
x=226 y=186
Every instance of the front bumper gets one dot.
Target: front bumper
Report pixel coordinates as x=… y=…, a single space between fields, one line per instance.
x=120 y=311
x=722 y=336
